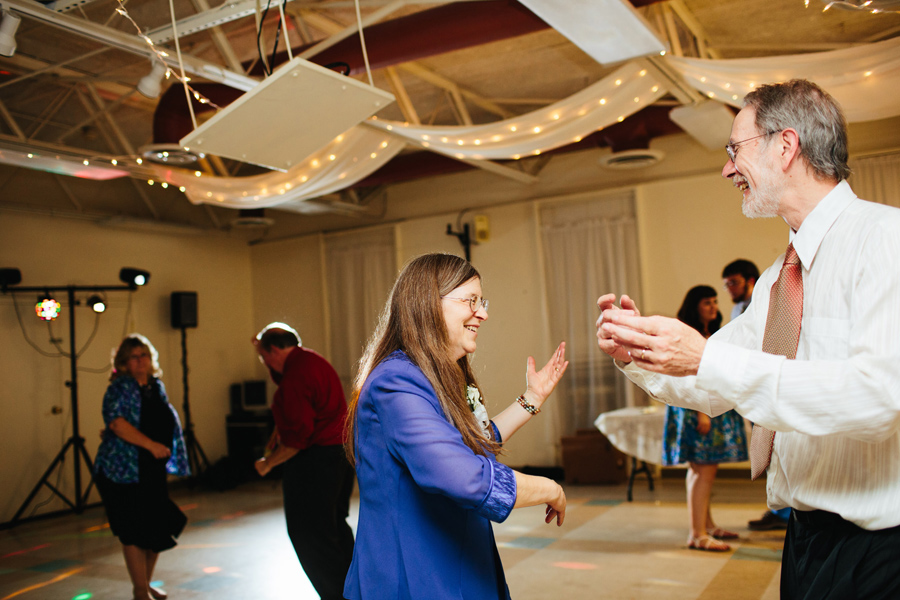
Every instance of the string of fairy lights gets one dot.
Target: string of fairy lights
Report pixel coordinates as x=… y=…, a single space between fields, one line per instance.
x=873 y=6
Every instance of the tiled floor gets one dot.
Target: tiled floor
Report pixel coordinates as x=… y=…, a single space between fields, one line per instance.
x=235 y=546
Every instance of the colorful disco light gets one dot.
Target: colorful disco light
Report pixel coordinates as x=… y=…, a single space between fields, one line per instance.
x=47 y=309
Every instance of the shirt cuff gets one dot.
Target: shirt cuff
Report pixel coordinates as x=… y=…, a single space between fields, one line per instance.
x=502 y=496
x=497 y=437
x=721 y=374
x=642 y=378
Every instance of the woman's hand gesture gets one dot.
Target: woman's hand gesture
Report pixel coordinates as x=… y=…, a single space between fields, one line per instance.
x=541 y=383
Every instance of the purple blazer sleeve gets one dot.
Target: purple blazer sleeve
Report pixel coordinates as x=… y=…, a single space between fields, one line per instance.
x=420 y=437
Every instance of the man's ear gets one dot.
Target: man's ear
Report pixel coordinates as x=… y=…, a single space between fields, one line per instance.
x=789 y=142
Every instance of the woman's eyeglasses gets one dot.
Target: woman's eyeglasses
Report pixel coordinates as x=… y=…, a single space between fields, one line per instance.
x=474 y=302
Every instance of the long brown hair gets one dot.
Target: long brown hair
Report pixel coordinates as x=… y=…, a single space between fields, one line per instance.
x=413 y=321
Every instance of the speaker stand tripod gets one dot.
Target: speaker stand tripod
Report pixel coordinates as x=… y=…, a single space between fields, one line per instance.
x=196 y=457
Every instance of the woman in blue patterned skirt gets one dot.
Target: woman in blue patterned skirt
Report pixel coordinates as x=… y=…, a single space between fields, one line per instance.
x=701 y=441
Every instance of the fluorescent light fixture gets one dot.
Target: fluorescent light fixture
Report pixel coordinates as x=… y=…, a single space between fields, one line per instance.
x=609 y=31
x=299 y=109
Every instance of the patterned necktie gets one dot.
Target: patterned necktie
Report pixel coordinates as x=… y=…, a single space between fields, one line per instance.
x=781 y=337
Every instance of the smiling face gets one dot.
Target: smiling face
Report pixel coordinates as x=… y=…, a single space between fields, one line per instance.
x=462 y=323
x=755 y=168
x=708 y=309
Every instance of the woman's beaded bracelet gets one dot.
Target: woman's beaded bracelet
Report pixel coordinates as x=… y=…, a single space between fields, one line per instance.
x=531 y=408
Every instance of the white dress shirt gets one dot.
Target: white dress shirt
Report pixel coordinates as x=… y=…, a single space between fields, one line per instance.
x=836 y=407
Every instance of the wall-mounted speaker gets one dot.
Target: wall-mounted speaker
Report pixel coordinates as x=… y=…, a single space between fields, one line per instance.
x=184 y=309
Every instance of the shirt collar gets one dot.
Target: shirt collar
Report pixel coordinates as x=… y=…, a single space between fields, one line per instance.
x=807 y=239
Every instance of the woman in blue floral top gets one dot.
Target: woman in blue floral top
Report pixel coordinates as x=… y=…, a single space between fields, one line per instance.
x=142 y=443
x=701 y=441
x=425 y=450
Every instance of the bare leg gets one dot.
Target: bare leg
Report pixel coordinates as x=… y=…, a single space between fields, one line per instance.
x=136 y=563
x=156 y=593
x=699 y=488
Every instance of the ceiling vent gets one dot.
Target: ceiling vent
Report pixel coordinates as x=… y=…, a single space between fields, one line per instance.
x=631 y=159
x=251 y=218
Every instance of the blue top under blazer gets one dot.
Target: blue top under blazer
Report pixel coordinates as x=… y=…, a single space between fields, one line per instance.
x=426 y=500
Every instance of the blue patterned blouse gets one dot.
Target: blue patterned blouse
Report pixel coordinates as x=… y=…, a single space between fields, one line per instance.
x=118 y=459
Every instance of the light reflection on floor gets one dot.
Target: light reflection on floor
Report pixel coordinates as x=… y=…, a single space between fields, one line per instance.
x=236 y=547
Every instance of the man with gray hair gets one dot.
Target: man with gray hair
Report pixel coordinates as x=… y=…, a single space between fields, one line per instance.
x=813 y=360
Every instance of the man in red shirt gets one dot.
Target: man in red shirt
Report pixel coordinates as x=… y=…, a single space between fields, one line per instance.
x=309 y=411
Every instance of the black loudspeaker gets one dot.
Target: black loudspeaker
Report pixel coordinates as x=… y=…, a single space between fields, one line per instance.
x=184 y=309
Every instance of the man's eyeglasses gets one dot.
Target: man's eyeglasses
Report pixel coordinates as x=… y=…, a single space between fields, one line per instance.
x=732 y=149
x=474 y=302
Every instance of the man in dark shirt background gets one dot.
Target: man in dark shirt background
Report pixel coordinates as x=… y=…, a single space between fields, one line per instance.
x=739 y=277
x=309 y=411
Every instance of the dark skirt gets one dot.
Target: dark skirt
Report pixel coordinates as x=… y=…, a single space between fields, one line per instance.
x=141 y=514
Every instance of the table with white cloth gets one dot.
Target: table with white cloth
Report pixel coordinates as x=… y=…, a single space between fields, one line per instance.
x=637 y=431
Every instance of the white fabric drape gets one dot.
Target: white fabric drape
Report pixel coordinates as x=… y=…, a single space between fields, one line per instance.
x=877 y=178
x=590 y=248
x=364 y=148
x=349 y=158
x=360 y=270
x=625 y=91
x=865 y=79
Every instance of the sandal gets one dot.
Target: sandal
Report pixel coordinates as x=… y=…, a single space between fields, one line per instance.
x=707 y=544
x=722 y=534
x=158 y=594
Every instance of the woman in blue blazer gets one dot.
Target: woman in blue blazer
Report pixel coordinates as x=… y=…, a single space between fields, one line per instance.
x=425 y=450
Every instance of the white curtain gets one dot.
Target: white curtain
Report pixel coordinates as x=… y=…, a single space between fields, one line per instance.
x=360 y=270
x=590 y=248
x=877 y=178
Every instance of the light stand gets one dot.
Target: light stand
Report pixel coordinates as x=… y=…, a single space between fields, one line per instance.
x=75 y=441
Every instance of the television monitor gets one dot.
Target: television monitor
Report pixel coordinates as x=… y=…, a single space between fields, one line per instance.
x=249 y=396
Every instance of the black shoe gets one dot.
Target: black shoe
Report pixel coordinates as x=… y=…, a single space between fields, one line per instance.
x=768 y=522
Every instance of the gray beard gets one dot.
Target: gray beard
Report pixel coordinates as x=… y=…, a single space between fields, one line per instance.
x=764 y=199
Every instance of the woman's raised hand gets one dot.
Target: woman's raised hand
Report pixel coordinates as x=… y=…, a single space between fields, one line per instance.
x=541 y=383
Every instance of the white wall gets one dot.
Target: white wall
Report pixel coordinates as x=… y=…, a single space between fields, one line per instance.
x=65 y=252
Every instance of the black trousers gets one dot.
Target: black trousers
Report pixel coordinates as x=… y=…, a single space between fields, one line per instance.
x=317 y=483
x=828 y=558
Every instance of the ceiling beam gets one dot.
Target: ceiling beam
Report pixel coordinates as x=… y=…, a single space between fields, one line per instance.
x=442 y=82
x=50 y=112
x=11 y=122
x=104 y=131
x=232 y=11
x=52 y=67
x=403 y=101
x=352 y=29
x=221 y=40
x=128 y=43
x=696 y=29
